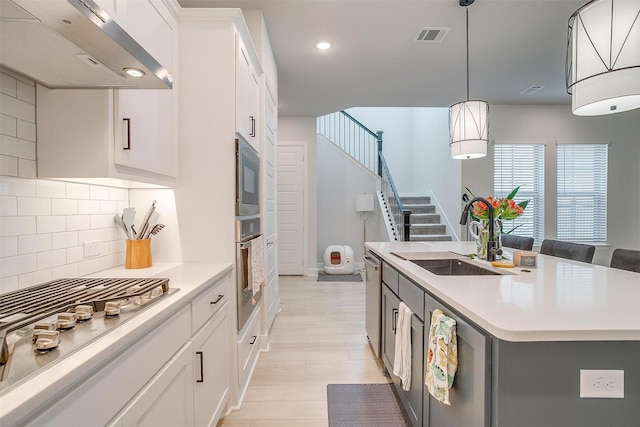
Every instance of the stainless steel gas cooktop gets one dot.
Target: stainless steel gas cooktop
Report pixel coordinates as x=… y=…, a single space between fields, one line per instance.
x=42 y=324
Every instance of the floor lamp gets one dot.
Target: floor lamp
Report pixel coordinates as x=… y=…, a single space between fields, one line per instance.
x=364 y=204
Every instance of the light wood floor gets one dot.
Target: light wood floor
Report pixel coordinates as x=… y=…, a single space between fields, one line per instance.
x=317 y=339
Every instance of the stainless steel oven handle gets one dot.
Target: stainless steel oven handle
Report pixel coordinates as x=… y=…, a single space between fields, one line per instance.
x=247 y=244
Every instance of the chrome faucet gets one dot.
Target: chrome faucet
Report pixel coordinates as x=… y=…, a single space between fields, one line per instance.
x=492 y=249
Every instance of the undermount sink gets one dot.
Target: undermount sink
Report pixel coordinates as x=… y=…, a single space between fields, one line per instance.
x=453 y=267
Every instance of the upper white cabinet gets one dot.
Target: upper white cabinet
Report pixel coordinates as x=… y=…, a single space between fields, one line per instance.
x=247 y=89
x=124 y=134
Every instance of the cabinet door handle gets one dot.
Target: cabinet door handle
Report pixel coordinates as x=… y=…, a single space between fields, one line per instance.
x=126 y=137
x=394 y=320
x=217 y=300
x=253 y=341
x=253 y=126
x=199 y=353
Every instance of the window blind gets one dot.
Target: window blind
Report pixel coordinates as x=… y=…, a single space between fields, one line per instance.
x=522 y=165
x=582 y=192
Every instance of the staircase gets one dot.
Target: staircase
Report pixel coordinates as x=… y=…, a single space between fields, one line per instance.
x=425 y=222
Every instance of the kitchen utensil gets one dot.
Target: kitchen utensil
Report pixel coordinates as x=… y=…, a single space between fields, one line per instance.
x=153 y=219
x=156 y=229
x=145 y=221
x=120 y=222
x=129 y=217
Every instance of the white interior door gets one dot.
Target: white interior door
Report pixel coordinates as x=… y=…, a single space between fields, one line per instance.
x=290 y=197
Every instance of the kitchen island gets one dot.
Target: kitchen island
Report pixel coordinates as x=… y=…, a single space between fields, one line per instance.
x=144 y=368
x=524 y=336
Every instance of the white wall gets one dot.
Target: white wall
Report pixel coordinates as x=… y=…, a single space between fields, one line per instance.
x=551 y=123
x=340 y=180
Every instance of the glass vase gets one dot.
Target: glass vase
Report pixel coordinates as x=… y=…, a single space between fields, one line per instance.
x=479 y=230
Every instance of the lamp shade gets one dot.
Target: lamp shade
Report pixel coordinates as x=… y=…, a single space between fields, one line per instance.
x=364 y=202
x=603 y=57
x=469 y=129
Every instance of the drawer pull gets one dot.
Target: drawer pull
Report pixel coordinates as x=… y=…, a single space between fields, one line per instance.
x=394 y=320
x=199 y=353
x=217 y=300
x=253 y=341
x=127 y=137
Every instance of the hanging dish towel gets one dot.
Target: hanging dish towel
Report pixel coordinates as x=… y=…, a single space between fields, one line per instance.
x=402 y=359
x=256 y=261
x=442 y=359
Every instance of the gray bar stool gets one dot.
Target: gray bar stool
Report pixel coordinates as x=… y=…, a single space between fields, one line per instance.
x=568 y=250
x=626 y=259
x=517 y=242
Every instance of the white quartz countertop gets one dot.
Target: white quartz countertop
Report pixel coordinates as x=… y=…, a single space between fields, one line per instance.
x=560 y=300
x=190 y=279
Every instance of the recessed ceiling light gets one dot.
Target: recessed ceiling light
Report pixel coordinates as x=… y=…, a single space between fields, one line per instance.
x=133 y=72
x=324 y=45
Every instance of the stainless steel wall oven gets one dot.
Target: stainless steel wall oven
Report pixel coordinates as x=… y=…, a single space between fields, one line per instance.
x=247 y=180
x=247 y=231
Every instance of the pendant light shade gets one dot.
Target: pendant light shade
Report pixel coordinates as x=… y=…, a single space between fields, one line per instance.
x=468 y=120
x=603 y=57
x=469 y=128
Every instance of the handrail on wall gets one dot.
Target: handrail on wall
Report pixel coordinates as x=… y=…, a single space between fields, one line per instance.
x=365 y=146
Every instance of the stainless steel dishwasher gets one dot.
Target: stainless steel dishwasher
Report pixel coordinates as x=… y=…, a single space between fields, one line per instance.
x=372 y=300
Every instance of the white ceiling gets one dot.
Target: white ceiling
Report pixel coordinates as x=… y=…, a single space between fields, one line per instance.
x=375 y=61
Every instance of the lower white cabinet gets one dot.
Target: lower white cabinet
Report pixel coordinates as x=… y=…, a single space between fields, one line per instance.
x=211 y=354
x=248 y=345
x=167 y=400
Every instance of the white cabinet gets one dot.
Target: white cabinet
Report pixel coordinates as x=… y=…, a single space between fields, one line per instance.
x=121 y=137
x=167 y=400
x=211 y=350
x=247 y=87
x=248 y=345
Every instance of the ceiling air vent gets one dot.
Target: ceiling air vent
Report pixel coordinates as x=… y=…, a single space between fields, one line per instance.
x=432 y=34
x=531 y=89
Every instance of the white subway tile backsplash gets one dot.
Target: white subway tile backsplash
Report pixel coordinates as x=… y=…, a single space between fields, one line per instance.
x=8 y=246
x=29 y=206
x=35 y=278
x=51 y=189
x=34 y=243
x=8 y=125
x=8 y=206
x=88 y=235
x=118 y=194
x=77 y=191
x=87 y=207
x=17 y=108
x=78 y=222
x=112 y=233
x=9 y=284
x=64 y=207
x=26 y=130
x=26 y=92
x=17 y=225
x=64 y=271
x=15 y=265
x=108 y=207
x=121 y=206
x=8 y=165
x=75 y=254
x=51 y=224
x=64 y=240
x=97 y=192
x=8 y=85
x=27 y=168
x=101 y=221
x=109 y=261
x=89 y=266
x=17 y=187
x=117 y=246
x=50 y=259
x=12 y=146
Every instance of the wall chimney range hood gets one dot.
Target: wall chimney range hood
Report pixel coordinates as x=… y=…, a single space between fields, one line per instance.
x=73 y=44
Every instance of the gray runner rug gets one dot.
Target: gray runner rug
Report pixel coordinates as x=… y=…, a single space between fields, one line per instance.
x=324 y=277
x=365 y=405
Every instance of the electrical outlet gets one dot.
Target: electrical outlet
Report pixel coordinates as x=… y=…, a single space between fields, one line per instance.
x=600 y=383
x=91 y=248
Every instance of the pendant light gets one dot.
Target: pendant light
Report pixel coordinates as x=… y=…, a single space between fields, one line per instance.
x=603 y=57
x=469 y=120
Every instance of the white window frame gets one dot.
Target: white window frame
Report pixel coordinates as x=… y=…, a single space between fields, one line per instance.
x=531 y=183
x=581 y=182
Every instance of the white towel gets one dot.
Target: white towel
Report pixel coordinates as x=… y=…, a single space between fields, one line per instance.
x=402 y=359
x=256 y=261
